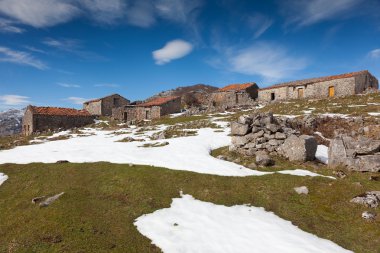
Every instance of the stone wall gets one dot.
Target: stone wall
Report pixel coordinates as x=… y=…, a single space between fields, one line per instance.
x=365 y=82
x=94 y=107
x=27 y=122
x=280 y=94
x=132 y=114
x=173 y=106
x=104 y=106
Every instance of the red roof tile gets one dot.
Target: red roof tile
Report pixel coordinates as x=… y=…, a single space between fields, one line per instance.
x=236 y=87
x=98 y=99
x=57 y=111
x=157 y=101
x=315 y=80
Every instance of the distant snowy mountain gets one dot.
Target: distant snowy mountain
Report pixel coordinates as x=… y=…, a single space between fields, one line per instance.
x=11 y=122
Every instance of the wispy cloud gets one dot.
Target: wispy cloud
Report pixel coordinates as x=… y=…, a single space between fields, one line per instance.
x=69 y=85
x=308 y=12
x=374 y=54
x=14 y=100
x=47 y=13
x=109 y=85
x=259 y=23
x=8 y=26
x=22 y=58
x=270 y=61
x=72 y=46
x=76 y=100
x=174 y=49
x=40 y=13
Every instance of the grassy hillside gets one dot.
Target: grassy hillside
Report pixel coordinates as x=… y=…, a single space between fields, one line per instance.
x=102 y=200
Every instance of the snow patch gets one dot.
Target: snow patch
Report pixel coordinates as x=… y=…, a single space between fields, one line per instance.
x=302 y=173
x=3 y=178
x=374 y=113
x=322 y=154
x=191 y=225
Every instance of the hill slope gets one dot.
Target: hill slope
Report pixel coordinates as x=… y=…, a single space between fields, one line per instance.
x=10 y=122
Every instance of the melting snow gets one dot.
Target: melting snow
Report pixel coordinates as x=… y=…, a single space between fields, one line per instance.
x=374 y=113
x=322 y=154
x=302 y=173
x=191 y=225
x=3 y=178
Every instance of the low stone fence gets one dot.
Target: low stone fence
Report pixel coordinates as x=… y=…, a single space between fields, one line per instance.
x=265 y=134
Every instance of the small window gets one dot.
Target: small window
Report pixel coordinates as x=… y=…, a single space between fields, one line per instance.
x=116 y=101
x=272 y=96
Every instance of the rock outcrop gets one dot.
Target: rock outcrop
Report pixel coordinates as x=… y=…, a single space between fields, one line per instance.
x=362 y=154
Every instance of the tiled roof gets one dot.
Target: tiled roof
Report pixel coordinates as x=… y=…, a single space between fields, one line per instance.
x=236 y=87
x=157 y=101
x=57 y=111
x=316 y=80
x=98 y=99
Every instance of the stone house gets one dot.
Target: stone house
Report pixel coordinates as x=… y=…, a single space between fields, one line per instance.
x=149 y=110
x=321 y=87
x=42 y=119
x=103 y=106
x=234 y=95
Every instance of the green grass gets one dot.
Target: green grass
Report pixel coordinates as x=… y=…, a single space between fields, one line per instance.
x=102 y=200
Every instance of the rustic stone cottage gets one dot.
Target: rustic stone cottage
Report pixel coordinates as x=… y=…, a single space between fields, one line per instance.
x=103 y=106
x=42 y=119
x=321 y=87
x=152 y=109
x=234 y=95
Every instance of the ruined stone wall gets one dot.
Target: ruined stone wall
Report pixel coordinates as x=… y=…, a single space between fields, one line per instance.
x=173 y=106
x=43 y=123
x=135 y=114
x=27 y=122
x=364 y=82
x=94 y=108
x=231 y=98
x=280 y=94
x=113 y=101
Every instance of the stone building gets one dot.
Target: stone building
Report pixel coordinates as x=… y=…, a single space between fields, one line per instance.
x=234 y=95
x=152 y=109
x=42 y=119
x=103 y=106
x=322 y=87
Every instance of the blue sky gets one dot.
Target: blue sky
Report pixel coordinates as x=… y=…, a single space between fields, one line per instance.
x=61 y=52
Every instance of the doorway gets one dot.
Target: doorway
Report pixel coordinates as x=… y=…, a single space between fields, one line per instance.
x=272 y=96
x=125 y=117
x=147 y=115
x=300 y=93
x=331 y=91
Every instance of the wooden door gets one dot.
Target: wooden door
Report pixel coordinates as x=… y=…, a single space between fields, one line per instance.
x=331 y=91
x=300 y=93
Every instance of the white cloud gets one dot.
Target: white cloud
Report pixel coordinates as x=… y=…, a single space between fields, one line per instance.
x=270 y=61
x=308 y=12
x=76 y=100
x=259 y=23
x=375 y=54
x=109 y=85
x=143 y=13
x=14 y=100
x=8 y=26
x=39 y=13
x=174 y=49
x=19 y=57
x=69 y=85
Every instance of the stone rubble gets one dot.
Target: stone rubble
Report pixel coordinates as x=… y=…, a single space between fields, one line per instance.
x=263 y=133
x=369 y=199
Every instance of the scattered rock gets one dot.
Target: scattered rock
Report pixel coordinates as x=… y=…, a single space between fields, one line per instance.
x=369 y=216
x=62 y=161
x=239 y=129
x=340 y=174
x=263 y=159
x=374 y=178
x=302 y=190
x=37 y=199
x=252 y=166
x=369 y=199
x=221 y=157
x=50 y=200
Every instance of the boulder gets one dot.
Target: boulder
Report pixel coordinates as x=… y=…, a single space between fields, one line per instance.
x=263 y=159
x=302 y=190
x=245 y=120
x=273 y=128
x=369 y=199
x=369 y=216
x=239 y=129
x=301 y=148
x=239 y=141
x=280 y=136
